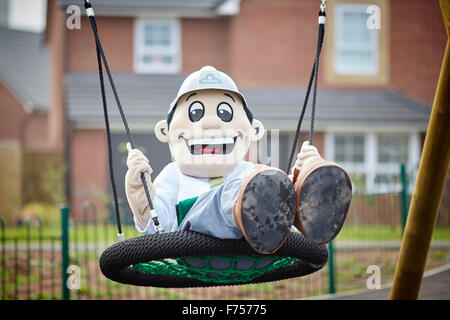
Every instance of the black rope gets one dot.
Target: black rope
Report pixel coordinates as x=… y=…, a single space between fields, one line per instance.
x=101 y=57
x=316 y=72
x=108 y=135
x=300 y=120
x=312 y=78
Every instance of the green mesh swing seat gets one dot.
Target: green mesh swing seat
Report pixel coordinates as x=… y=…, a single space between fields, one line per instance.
x=183 y=259
x=217 y=269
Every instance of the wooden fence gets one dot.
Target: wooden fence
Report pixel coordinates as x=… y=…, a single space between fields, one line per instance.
x=28 y=176
x=10 y=179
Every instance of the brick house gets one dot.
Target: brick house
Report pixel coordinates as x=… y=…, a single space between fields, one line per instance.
x=24 y=112
x=376 y=87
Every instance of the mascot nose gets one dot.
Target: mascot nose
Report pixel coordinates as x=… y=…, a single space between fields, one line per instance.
x=211 y=122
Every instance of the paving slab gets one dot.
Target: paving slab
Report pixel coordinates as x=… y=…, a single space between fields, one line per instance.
x=435 y=286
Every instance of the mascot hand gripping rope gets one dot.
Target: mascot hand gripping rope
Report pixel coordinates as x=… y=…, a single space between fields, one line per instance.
x=210 y=189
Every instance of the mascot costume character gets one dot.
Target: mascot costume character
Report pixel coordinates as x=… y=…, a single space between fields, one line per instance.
x=210 y=188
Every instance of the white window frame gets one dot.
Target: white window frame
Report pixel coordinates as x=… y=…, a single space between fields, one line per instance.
x=350 y=135
x=373 y=47
x=371 y=167
x=140 y=49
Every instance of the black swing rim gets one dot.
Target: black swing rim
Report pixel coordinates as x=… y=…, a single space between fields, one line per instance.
x=117 y=260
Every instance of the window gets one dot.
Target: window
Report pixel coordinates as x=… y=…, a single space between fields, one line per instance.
x=392 y=148
x=157 y=46
x=373 y=159
x=357 y=43
x=356 y=46
x=349 y=148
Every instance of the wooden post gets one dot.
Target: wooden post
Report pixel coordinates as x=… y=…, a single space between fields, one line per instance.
x=429 y=186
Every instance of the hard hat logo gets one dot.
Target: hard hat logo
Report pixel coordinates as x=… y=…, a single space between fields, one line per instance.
x=210 y=79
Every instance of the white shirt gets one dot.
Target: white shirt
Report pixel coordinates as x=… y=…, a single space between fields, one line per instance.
x=172 y=186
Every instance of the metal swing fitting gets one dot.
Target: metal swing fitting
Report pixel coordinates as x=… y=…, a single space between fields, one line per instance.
x=89 y=9
x=323 y=5
x=156 y=224
x=322 y=17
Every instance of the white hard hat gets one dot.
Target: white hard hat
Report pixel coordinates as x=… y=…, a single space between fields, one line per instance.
x=206 y=78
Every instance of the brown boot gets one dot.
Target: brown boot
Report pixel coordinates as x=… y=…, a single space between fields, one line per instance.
x=265 y=208
x=324 y=192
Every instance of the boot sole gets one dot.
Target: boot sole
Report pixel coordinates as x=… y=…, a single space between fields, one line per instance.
x=324 y=200
x=267 y=210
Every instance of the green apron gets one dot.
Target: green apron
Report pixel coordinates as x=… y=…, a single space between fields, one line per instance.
x=183 y=207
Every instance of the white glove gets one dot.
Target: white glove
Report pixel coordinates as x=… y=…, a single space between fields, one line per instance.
x=306 y=154
x=134 y=188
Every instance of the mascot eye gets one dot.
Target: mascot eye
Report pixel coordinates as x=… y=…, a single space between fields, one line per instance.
x=225 y=112
x=196 y=111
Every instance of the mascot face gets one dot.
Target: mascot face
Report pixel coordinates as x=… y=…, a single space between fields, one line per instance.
x=209 y=133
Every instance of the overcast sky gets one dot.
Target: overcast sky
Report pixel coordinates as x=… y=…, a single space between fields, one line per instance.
x=27 y=14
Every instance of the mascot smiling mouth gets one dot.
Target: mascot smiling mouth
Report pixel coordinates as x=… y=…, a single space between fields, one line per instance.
x=211 y=145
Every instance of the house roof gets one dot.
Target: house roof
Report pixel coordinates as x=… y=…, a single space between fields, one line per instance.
x=146 y=98
x=137 y=7
x=24 y=67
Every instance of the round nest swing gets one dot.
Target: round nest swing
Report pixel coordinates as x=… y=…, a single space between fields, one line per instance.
x=198 y=260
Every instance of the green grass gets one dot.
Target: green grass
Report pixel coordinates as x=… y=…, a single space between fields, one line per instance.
x=369 y=232
x=382 y=233
x=108 y=233
x=77 y=233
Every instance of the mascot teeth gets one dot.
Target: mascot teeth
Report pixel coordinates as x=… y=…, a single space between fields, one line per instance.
x=211 y=145
x=208 y=141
